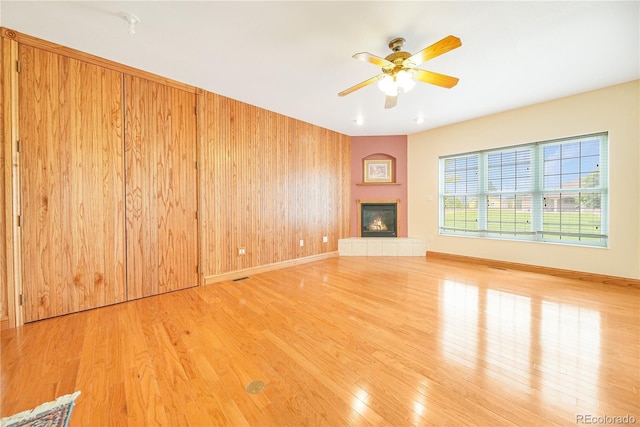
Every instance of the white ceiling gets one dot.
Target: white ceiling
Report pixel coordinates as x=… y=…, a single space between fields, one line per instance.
x=293 y=57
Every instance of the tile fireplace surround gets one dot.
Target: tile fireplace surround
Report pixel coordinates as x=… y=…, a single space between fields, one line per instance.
x=382 y=246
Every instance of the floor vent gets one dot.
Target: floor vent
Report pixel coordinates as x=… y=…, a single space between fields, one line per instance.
x=240 y=278
x=254 y=387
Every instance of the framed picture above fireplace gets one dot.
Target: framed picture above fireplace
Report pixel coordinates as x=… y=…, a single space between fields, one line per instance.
x=378 y=170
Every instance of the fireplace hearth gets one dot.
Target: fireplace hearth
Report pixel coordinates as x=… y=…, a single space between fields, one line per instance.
x=379 y=220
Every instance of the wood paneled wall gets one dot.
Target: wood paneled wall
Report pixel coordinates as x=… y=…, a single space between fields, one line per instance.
x=267 y=182
x=263 y=182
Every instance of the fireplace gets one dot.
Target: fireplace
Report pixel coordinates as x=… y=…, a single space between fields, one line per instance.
x=378 y=219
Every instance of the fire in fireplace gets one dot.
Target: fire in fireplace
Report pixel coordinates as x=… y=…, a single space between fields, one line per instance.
x=379 y=219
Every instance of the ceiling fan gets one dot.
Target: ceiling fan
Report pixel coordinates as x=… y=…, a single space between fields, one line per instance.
x=399 y=72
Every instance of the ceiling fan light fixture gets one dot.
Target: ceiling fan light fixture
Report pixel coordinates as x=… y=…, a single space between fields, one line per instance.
x=394 y=84
x=405 y=81
x=388 y=85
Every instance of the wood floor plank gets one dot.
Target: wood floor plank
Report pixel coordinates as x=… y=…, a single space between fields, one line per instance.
x=342 y=341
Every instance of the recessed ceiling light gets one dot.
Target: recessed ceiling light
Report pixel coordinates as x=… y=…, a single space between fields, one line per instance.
x=419 y=119
x=359 y=121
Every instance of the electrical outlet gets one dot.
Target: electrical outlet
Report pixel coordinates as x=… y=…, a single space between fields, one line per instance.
x=301 y=243
x=325 y=239
x=242 y=251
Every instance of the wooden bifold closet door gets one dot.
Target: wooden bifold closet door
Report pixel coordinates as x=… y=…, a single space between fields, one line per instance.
x=161 y=188
x=108 y=186
x=72 y=179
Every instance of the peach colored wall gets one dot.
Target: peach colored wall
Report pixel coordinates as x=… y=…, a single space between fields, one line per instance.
x=364 y=146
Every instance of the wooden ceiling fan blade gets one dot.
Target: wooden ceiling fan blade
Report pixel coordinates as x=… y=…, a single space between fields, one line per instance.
x=435 y=78
x=360 y=85
x=373 y=59
x=438 y=48
x=391 y=101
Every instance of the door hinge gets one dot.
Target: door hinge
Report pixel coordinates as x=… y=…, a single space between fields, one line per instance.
x=19 y=220
x=196 y=214
x=18 y=66
x=196 y=164
x=18 y=146
x=21 y=299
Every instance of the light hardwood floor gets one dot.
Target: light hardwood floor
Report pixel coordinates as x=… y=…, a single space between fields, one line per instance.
x=343 y=341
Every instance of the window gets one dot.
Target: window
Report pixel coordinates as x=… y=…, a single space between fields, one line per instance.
x=552 y=191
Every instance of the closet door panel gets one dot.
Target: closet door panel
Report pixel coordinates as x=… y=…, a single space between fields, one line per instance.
x=72 y=184
x=161 y=188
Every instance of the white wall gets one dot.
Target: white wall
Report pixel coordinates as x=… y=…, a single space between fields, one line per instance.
x=615 y=109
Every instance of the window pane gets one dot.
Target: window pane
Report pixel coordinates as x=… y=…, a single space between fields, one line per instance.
x=509 y=214
x=570 y=149
x=461 y=175
x=461 y=213
x=552 y=167
x=565 y=167
x=570 y=165
x=552 y=152
x=590 y=200
x=509 y=170
x=572 y=217
x=570 y=180
x=591 y=147
x=589 y=164
x=552 y=182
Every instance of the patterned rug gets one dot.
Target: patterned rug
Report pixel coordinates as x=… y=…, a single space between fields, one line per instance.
x=50 y=414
